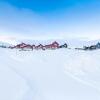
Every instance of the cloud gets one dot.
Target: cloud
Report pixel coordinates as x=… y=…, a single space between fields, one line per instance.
x=25 y=23
x=16 y=21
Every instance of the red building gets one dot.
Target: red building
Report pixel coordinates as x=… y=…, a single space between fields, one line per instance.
x=23 y=46
x=54 y=45
x=20 y=45
x=40 y=46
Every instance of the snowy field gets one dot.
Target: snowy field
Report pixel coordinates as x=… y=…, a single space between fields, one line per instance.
x=63 y=74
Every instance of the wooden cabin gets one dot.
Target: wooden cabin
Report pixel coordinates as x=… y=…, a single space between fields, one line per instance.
x=92 y=47
x=33 y=46
x=53 y=45
x=20 y=46
x=98 y=45
x=27 y=47
x=40 y=46
x=24 y=46
x=63 y=46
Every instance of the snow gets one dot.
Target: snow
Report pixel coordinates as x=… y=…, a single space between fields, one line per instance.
x=63 y=74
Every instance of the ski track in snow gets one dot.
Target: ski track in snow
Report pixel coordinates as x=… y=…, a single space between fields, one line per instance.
x=41 y=69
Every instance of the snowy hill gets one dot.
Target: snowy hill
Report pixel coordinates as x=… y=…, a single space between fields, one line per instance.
x=5 y=44
x=61 y=74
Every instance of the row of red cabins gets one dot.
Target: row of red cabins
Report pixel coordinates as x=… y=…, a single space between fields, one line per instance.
x=53 y=45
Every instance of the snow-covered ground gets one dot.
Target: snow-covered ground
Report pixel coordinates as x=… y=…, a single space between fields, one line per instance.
x=63 y=74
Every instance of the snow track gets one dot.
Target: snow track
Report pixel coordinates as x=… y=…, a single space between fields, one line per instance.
x=49 y=75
